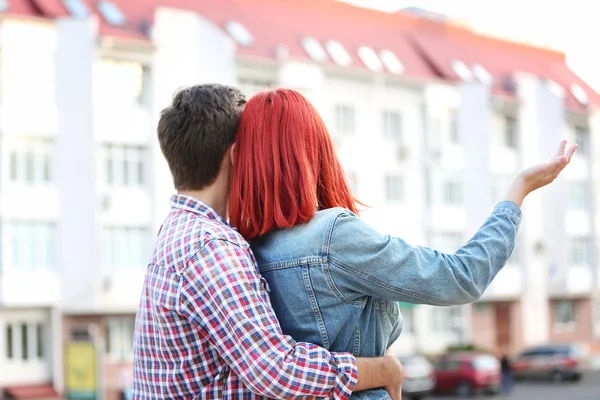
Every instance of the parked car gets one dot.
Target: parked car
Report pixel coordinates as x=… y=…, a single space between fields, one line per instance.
x=468 y=374
x=419 y=377
x=558 y=363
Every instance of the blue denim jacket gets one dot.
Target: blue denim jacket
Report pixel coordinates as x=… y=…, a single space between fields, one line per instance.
x=336 y=281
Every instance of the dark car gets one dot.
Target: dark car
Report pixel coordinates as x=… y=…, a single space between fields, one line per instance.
x=419 y=377
x=558 y=363
x=467 y=374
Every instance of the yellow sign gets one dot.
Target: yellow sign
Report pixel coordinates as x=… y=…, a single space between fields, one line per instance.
x=80 y=367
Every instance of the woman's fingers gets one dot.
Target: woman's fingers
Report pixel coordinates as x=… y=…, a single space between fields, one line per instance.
x=561 y=148
x=571 y=151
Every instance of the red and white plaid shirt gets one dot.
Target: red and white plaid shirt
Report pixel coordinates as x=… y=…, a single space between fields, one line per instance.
x=206 y=328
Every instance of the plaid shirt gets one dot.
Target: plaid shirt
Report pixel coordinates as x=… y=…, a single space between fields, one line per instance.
x=206 y=328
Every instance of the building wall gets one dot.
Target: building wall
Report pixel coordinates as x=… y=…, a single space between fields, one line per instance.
x=581 y=330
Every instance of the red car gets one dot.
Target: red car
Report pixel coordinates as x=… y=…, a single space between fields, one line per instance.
x=467 y=374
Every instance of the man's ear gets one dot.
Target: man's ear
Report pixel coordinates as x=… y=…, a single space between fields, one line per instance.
x=233 y=153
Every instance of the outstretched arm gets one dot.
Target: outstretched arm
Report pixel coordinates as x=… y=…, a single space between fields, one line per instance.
x=366 y=262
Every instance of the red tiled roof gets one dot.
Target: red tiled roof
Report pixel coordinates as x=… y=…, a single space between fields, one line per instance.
x=425 y=47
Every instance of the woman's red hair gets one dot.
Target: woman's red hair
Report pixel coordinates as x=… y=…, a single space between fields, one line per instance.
x=285 y=167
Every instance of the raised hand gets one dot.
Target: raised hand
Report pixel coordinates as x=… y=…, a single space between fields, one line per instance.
x=540 y=175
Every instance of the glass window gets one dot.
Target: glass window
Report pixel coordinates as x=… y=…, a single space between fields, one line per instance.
x=392 y=124
x=452 y=192
x=510 y=132
x=32 y=244
x=30 y=160
x=124 y=165
x=120 y=332
x=582 y=139
x=9 y=342
x=24 y=342
x=441 y=320
x=39 y=335
x=564 y=312
x=345 y=120
x=580 y=250
x=124 y=247
x=394 y=189
x=578 y=195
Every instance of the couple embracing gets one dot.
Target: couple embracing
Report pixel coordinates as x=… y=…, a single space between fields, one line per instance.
x=264 y=282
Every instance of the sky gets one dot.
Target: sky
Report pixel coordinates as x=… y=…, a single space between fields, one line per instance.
x=569 y=26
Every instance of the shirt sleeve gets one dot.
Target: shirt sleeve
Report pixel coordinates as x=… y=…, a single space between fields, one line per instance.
x=224 y=295
x=365 y=262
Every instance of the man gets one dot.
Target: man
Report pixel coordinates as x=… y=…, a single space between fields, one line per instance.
x=205 y=328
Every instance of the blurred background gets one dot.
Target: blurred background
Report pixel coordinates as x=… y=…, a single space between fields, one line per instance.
x=434 y=106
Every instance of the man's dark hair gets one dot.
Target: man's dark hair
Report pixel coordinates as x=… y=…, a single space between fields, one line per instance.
x=195 y=131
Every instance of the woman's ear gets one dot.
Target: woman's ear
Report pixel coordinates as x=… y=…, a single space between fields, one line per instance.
x=233 y=153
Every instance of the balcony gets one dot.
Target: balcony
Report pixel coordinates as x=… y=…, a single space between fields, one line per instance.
x=572 y=281
x=24 y=202
x=29 y=288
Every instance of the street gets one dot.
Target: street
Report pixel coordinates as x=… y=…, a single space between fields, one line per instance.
x=587 y=389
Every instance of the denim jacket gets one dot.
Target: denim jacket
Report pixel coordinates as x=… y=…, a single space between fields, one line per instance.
x=336 y=281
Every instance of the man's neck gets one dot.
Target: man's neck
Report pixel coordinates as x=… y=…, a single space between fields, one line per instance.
x=211 y=197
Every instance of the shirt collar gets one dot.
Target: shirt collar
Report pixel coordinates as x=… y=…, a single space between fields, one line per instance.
x=193 y=205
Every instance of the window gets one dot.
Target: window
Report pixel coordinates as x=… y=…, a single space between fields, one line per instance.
x=124 y=165
x=394 y=189
x=564 y=312
x=582 y=139
x=454 y=127
x=39 y=335
x=345 y=122
x=448 y=242
x=578 y=195
x=441 y=320
x=452 y=192
x=76 y=8
x=510 y=132
x=24 y=342
x=119 y=337
x=392 y=124
x=580 y=250
x=31 y=245
x=29 y=160
x=124 y=247
x=111 y=13
x=9 y=342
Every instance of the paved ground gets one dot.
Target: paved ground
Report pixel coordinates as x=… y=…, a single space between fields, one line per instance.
x=587 y=389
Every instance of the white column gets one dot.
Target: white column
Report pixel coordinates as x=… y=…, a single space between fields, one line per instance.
x=75 y=163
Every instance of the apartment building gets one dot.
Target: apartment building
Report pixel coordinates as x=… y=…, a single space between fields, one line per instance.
x=430 y=121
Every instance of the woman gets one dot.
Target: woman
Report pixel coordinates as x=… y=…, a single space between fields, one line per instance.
x=334 y=280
